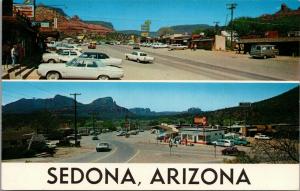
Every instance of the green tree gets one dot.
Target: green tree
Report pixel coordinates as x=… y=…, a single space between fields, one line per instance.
x=165 y=31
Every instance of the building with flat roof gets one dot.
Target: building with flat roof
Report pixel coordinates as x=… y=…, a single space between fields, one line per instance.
x=200 y=135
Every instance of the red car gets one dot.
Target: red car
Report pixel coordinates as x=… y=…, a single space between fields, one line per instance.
x=232 y=151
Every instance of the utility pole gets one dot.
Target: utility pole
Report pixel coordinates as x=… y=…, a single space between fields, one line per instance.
x=231 y=7
x=75 y=115
x=216 y=26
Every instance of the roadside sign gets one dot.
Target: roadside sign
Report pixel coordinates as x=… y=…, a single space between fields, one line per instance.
x=200 y=120
x=245 y=104
x=144 y=34
x=27 y=10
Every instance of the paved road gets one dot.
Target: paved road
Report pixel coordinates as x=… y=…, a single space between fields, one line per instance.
x=202 y=65
x=121 y=152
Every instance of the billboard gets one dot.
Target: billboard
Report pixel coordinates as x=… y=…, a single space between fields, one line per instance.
x=27 y=10
x=200 y=120
x=144 y=34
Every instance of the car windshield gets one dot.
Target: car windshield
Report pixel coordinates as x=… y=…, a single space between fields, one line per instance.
x=143 y=54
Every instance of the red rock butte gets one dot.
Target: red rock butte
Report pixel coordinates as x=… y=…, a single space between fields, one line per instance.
x=69 y=26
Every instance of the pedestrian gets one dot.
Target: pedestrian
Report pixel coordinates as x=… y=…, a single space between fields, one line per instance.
x=195 y=47
x=13 y=54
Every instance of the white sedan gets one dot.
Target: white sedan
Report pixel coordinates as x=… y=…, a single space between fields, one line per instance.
x=60 y=56
x=80 y=68
x=139 y=57
x=105 y=59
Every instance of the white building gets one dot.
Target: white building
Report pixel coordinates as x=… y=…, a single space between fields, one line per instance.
x=200 y=135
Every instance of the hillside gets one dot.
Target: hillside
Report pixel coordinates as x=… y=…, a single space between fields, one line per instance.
x=101 y=23
x=136 y=32
x=189 y=28
x=283 y=108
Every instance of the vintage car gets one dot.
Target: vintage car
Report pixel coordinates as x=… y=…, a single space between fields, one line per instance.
x=80 y=68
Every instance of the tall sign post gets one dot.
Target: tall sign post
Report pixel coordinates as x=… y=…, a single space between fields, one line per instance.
x=145 y=28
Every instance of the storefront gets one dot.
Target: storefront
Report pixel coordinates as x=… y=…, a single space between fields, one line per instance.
x=200 y=135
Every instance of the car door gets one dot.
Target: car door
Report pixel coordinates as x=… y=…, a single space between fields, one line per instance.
x=104 y=59
x=76 y=69
x=93 y=69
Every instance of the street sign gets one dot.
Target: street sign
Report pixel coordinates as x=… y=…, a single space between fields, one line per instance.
x=27 y=10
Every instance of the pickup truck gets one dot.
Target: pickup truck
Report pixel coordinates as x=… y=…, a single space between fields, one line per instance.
x=139 y=57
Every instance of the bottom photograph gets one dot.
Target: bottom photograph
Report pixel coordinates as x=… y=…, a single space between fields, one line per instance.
x=150 y=122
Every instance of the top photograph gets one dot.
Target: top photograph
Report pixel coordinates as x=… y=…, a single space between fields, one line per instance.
x=241 y=40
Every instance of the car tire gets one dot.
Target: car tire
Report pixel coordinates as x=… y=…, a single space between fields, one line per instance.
x=53 y=76
x=127 y=58
x=51 y=61
x=265 y=56
x=103 y=77
x=138 y=60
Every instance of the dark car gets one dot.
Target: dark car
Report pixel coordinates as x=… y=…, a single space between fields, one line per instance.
x=233 y=151
x=136 y=46
x=102 y=147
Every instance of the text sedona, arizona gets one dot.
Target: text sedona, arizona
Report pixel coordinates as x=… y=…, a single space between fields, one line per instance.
x=208 y=176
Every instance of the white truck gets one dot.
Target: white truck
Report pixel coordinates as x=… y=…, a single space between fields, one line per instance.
x=139 y=57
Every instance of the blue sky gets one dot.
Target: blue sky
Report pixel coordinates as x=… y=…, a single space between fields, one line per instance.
x=130 y=14
x=156 y=96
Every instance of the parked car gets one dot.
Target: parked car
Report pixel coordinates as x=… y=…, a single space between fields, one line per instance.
x=121 y=133
x=51 y=145
x=139 y=57
x=60 y=56
x=177 y=47
x=64 y=46
x=136 y=46
x=102 y=147
x=92 y=45
x=159 y=45
x=223 y=143
x=262 y=137
x=263 y=51
x=232 y=151
x=103 y=57
x=95 y=138
x=238 y=141
x=80 y=68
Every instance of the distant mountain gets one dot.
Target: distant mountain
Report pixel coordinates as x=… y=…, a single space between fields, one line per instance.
x=181 y=29
x=147 y=112
x=105 y=108
x=101 y=23
x=136 y=32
